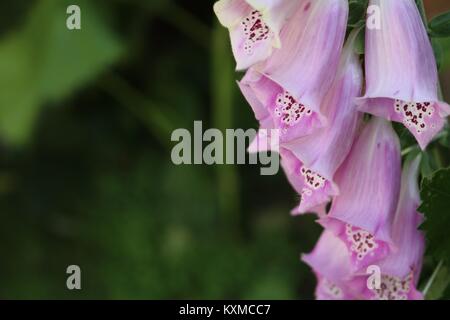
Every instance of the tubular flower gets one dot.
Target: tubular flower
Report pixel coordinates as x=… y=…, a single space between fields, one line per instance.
x=369 y=182
x=401 y=269
x=324 y=151
x=401 y=72
x=330 y=261
x=314 y=189
x=254 y=26
x=399 y=272
x=286 y=91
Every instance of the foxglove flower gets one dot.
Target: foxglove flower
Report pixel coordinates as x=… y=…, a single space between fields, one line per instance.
x=330 y=261
x=315 y=190
x=401 y=269
x=254 y=26
x=369 y=182
x=287 y=90
x=320 y=154
x=401 y=72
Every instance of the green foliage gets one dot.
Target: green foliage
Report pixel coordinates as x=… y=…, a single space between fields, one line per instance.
x=438 y=52
x=445 y=140
x=439 y=281
x=441 y=48
x=43 y=62
x=95 y=185
x=357 y=12
x=440 y=26
x=435 y=194
x=360 y=42
x=446 y=293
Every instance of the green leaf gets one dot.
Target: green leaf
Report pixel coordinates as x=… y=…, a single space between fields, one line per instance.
x=435 y=194
x=438 y=283
x=438 y=52
x=69 y=59
x=446 y=294
x=45 y=62
x=444 y=43
x=440 y=25
x=426 y=166
x=445 y=140
x=357 y=11
x=19 y=98
x=360 y=42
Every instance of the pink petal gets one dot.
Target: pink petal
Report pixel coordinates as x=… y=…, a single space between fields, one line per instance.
x=364 y=249
x=254 y=27
x=311 y=45
x=423 y=119
x=326 y=149
x=330 y=258
x=393 y=288
x=265 y=140
x=401 y=70
x=328 y=290
x=408 y=240
x=330 y=261
x=315 y=191
x=275 y=13
x=269 y=101
x=369 y=183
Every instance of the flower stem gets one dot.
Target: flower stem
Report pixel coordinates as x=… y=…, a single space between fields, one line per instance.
x=433 y=277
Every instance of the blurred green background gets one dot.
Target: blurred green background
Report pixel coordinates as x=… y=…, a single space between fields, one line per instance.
x=85 y=170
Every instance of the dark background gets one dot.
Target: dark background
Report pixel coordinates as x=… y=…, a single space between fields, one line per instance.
x=85 y=170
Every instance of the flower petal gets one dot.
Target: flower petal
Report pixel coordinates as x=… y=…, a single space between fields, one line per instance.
x=369 y=183
x=328 y=290
x=312 y=41
x=330 y=261
x=330 y=258
x=315 y=190
x=275 y=13
x=393 y=288
x=326 y=149
x=363 y=247
x=408 y=240
x=254 y=27
x=270 y=101
x=401 y=71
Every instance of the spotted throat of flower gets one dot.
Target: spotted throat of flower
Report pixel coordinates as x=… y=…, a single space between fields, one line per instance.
x=289 y=110
x=313 y=181
x=393 y=288
x=255 y=31
x=414 y=114
x=361 y=243
x=331 y=289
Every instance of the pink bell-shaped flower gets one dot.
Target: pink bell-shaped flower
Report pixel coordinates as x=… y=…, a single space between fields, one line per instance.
x=331 y=263
x=286 y=91
x=369 y=183
x=400 y=270
x=320 y=154
x=254 y=27
x=401 y=72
